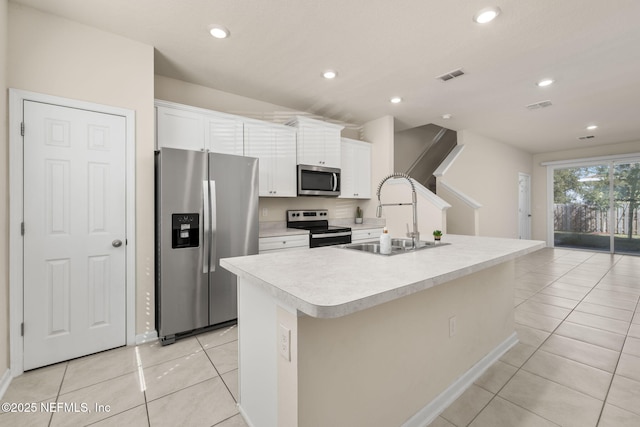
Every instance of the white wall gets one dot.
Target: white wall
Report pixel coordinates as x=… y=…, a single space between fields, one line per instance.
x=4 y=195
x=487 y=171
x=55 y=56
x=539 y=178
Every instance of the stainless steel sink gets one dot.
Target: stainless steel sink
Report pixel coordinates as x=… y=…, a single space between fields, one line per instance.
x=398 y=246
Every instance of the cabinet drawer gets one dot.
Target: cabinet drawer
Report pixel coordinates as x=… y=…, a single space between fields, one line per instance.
x=298 y=241
x=368 y=234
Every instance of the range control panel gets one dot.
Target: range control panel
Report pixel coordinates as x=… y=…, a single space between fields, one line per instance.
x=185 y=230
x=301 y=216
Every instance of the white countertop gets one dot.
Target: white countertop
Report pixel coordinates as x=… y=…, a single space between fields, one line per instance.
x=332 y=282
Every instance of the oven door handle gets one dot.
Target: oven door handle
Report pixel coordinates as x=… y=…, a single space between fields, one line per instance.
x=327 y=235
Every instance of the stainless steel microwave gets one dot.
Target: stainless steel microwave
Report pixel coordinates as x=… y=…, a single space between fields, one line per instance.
x=318 y=181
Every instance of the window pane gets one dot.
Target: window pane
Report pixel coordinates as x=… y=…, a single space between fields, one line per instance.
x=626 y=203
x=581 y=207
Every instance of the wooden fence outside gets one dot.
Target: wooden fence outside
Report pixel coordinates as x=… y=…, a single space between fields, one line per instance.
x=579 y=218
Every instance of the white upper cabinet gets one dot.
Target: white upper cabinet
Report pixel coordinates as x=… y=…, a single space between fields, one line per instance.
x=275 y=146
x=224 y=135
x=191 y=128
x=318 y=142
x=176 y=128
x=356 y=169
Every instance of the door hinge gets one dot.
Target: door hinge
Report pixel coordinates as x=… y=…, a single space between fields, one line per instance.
x=22 y=128
x=22 y=329
x=22 y=228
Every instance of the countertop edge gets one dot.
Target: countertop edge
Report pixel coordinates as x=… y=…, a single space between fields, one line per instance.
x=344 y=309
x=335 y=311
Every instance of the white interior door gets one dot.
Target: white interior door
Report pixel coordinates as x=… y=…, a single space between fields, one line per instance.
x=74 y=238
x=524 y=206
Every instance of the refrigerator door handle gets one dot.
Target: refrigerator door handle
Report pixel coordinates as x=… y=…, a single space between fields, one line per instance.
x=213 y=257
x=206 y=233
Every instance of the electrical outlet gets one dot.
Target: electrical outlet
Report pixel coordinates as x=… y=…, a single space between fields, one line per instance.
x=284 y=341
x=265 y=212
x=452 y=326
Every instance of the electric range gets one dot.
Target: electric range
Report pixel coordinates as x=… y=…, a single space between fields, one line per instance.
x=320 y=232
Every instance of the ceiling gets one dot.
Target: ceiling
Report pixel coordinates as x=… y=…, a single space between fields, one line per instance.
x=383 y=48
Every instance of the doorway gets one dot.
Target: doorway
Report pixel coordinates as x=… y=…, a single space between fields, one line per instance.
x=72 y=229
x=524 y=206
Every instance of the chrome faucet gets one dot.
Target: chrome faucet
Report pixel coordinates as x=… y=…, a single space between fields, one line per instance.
x=415 y=234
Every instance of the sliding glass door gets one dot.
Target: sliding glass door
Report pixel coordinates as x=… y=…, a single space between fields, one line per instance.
x=581 y=207
x=625 y=207
x=596 y=206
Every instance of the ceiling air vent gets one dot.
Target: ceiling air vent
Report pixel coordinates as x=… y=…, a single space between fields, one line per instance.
x=451 y=75
x=582 y=138
x=538 y=105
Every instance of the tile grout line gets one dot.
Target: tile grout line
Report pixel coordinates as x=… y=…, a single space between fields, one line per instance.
x=59 y=390
x=218 y=372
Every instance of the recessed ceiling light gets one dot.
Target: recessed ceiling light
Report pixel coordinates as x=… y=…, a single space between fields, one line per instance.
x=545 y=82
x=487 y=14
x=219 y=32
x=396 y=100
x=330 y=74
x=592 y=127
x=446 y=116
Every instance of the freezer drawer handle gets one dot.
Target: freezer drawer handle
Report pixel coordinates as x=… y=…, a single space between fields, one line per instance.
x=116 y=243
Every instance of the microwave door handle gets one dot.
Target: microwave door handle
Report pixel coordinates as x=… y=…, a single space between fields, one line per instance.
x=335 y=181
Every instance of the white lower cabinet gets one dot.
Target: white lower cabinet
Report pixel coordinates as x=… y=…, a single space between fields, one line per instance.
x=368 y=234
x=275 y=147
x=281 y=243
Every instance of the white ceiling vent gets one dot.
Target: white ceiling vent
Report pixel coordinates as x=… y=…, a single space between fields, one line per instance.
x=582 y=138
x=538 y=105
x=451 y=75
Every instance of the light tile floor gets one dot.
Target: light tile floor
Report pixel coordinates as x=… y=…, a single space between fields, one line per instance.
x=578 y=359
x=577 y=363
x=190 y=383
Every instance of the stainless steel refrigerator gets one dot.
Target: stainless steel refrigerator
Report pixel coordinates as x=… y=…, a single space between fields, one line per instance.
x=206 y=209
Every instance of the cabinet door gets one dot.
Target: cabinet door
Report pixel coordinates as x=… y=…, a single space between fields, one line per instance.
x=179 y=129
x=284 y=167
x=356 y=169
x=348 y=171
x=258 y=142
x=310 y=145
x=224 y=135
x=362 y=170
x=331 y=150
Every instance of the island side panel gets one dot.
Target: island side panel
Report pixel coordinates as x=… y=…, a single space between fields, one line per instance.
x=380 y=366
x=257 y=355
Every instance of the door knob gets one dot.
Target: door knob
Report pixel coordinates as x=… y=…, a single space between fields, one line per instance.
x=116 y=243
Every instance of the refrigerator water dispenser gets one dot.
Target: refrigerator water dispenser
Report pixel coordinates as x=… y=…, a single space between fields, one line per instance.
x=185 y=230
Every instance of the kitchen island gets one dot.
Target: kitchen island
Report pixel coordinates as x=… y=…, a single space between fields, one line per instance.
x=333 y=336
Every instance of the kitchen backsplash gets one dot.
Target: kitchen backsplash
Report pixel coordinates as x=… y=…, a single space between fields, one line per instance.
x=274 y=209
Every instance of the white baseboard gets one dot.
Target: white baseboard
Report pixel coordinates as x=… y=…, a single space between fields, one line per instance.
x=429 y=413
x=146 y=337
x=5 y=380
